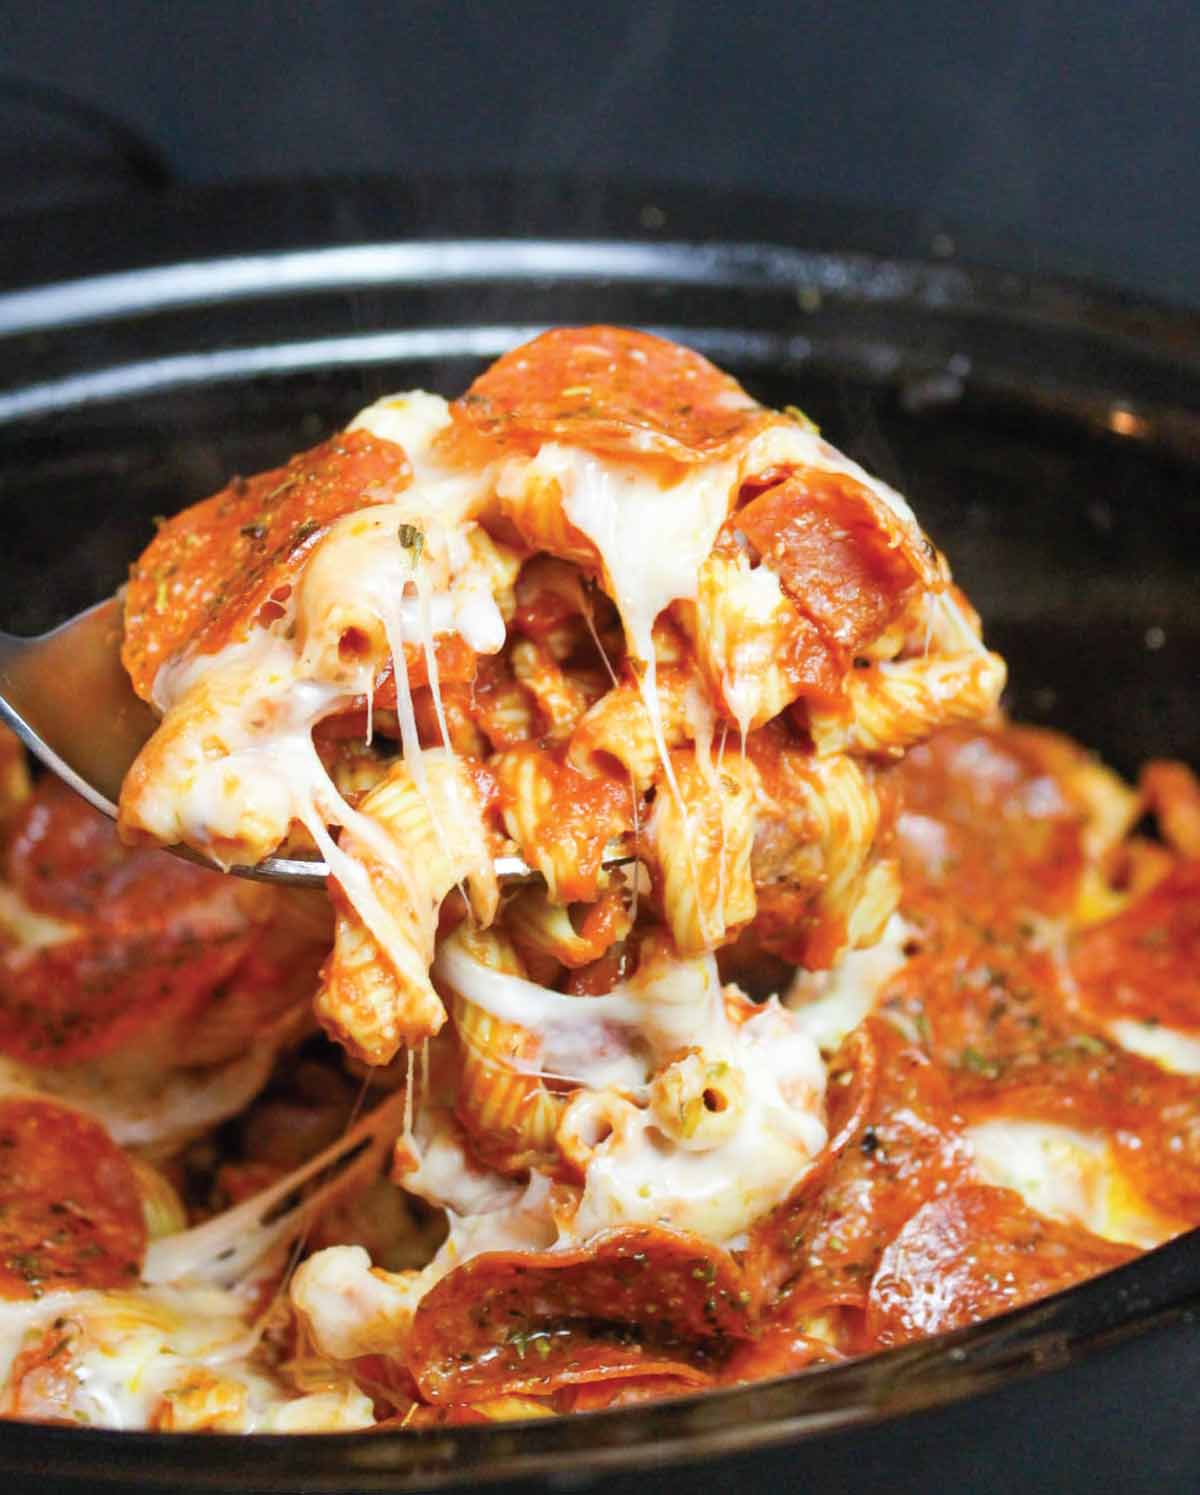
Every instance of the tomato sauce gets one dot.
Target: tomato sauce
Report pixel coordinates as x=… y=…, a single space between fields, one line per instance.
x=456 y=662
x=581 y=814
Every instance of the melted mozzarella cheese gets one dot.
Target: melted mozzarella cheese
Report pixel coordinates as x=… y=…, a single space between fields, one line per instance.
x=362 y=576
x=233 y=764
x=638 y=1174
x=651 y=538
x=122 y=1357
x=147 y=1105
x=1068 y=1175
x=612 y=1044
x=754 y=596
x=181 y=1350
x=585 y=1041
x=29 y=929
x=415 y=421
x=445 y=1174
x=1169 y=1048
x=225 y=1249
x=794 y=445
x=351 y=1308
x=828 y=1005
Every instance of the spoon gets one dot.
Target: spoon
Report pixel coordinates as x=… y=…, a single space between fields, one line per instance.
x=67 y=697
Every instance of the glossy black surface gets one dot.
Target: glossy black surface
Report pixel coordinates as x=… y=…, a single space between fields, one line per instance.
x=1049 y=436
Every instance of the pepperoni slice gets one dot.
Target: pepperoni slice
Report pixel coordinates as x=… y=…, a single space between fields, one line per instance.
x=611 y=389
x=638 y=1301
x=973 y=1253
x=212 y=569
x=1172 y=792
x=70 y=1208
x=986 y=823
x=899 y=1145
x=1145 y=963
x=149 y=936
x=770 y=1262
x=778 y=1351
x=1150 y=1117
x=983 y=997
x=840 y=554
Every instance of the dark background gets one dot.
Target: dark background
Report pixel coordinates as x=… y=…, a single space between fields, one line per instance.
x=1068 y=131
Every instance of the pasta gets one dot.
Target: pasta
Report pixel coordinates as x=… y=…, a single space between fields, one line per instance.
x=826 y=984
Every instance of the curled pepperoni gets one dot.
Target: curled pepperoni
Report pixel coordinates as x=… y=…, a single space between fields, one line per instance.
x=611 y=389
x=146 y=937
x=636 y=1302
x=1145 y=963
x=1150 y=1117
x=70 y=1208
x=213 y=568
x=840 y=554
x=898 y=1144
x=1172 y=792
x=972 y=1253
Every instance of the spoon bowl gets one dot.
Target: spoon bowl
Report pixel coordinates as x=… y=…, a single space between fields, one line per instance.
x=66 y=695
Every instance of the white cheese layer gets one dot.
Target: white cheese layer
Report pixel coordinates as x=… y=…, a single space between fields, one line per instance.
x=120 y=1359
x=145 y=1105
x=1069 y=1175
x=637 y=1168
x=1170 y=1048
x=828 y=1005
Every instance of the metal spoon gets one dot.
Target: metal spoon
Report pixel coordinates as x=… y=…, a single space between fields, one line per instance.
x=67 y=697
